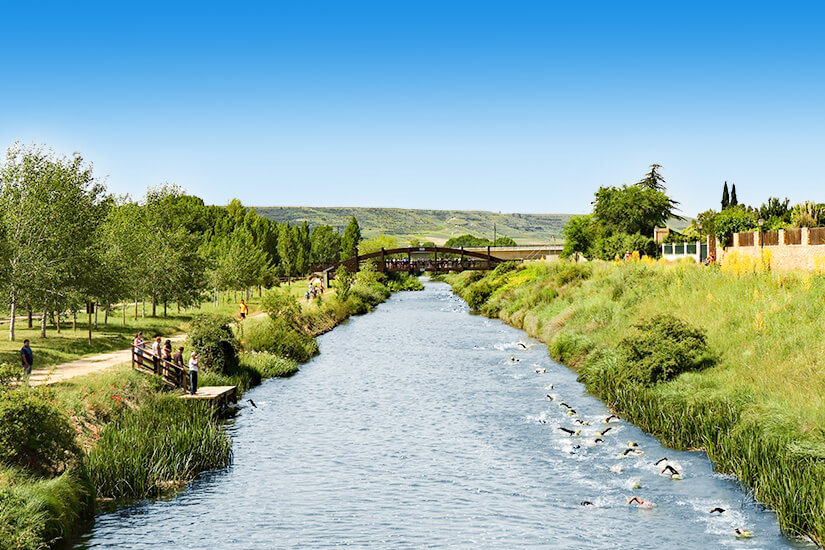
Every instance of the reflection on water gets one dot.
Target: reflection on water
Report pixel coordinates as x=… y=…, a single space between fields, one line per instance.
x=422 y=425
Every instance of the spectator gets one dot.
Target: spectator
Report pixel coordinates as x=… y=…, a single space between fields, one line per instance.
x=139 y=343
x=193 y=373
x=156 y=347
x=177 y=359
x=244 y=310
x=27 y=357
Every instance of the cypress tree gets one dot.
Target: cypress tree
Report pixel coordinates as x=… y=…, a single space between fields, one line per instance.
x=352 y=236
x=725 y=197
x=733 y=200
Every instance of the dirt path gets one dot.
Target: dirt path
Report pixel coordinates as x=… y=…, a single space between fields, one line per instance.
x=93 y=363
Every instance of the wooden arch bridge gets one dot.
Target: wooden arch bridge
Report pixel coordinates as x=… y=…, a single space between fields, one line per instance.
x=415 y=259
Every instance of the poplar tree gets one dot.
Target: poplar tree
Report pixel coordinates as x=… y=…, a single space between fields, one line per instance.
x=733 y=200
x=725 y=196
x=350 y=240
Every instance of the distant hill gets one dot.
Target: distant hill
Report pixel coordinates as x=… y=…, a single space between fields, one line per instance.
x=432 y=225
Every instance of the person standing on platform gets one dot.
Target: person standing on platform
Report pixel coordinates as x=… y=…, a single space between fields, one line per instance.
x=193 y=373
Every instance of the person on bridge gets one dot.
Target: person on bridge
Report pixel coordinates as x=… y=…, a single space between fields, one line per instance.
x=243 y=310
x=156 y=347
x=27 y=357
x=193 y=373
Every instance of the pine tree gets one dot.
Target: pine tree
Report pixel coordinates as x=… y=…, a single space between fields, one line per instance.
x=725 y=197
x=733 y=200
x=653 y=179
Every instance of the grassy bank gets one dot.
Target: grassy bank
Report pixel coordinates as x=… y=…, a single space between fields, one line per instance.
x=131 y=438
x=752 y=398
x=69 y=344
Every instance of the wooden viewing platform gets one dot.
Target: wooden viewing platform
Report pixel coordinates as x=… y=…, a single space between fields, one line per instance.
x=218 y=396
x=176 y=377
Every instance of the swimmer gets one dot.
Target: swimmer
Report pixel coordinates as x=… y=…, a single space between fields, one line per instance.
x=604 y=431
x=571 y=412
x=587 y=504
x=742 y=533
x=598 y=440
x=632 y=444
x=514 y=360
x=581 y=422
x=542 y=421
x=635 y=484
x=252 y=403
x=663 y=459
x=549 y=387
x=562 y=404
x=632 y=451
x=671 y=471
x=521 y=345
x=568 y=431
x=611 y=418
x=541 y=371
x=550 y=397
x=616 y=469
x=640 y=502
x=717 y=510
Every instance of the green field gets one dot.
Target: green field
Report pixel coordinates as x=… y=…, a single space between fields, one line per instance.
x=433 y=225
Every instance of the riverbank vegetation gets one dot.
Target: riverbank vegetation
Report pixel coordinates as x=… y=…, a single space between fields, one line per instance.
x=728 y=362
x=119 y=435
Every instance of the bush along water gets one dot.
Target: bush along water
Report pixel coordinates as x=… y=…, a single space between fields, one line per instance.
x=119 y=435
x=700 y=358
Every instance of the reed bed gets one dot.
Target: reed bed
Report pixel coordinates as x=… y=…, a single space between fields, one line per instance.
x=759 y=412
x=159 y=446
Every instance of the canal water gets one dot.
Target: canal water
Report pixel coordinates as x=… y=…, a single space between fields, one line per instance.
x=421 y=425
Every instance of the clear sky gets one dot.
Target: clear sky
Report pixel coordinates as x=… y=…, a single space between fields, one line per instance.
x=524 y=106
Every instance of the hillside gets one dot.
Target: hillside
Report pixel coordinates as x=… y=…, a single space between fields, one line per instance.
x=434 y=225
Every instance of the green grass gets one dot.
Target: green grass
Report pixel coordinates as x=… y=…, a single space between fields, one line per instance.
x=759 y=413
x=160 y=446
x=69 y=344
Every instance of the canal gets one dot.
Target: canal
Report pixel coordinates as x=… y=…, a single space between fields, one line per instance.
x=421 y=425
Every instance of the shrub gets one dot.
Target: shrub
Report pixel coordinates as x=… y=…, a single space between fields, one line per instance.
x=280 y=304
x=663 y=348
x=212 y=337
x=403 y=281
x=33 y=433
x=478 y=293
x=504 y=267
x=276 y=336
x=570 y=272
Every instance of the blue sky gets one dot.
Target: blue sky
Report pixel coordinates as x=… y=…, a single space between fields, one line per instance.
x=524 y=106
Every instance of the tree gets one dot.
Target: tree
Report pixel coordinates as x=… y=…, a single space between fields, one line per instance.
x=342 y=283
x=730 y=221
x=287 y=250
x=733 y=200
x=725 y=196
x=50 y=211
x=325 y=245
x=653 y=179
x=303 y=248
x=466 y=241
x=632 y=209
x=776 y=213
x=350 y=240
x=579 y=236
x=504 y=241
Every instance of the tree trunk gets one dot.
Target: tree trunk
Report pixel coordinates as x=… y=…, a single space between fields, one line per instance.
x=164 y=308
x=124 y=309
x=74 y=320
x=11 y=321
x=143 y=306
x=43 y=323
x=154 y=308
x=96 y=308
x=30 y=319
x=106 y=316
x=124 y=313
x=247 y=294
x=178 y=308
x=57 y=318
